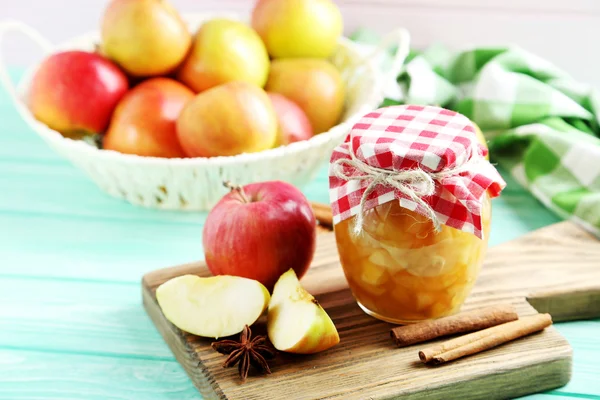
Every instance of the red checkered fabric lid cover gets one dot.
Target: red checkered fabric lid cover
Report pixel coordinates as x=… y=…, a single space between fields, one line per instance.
x=391 y=142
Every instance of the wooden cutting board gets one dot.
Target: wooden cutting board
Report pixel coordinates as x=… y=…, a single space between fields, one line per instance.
x=555 y=269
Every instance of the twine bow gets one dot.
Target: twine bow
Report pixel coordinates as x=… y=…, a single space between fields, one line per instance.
x=414 y=183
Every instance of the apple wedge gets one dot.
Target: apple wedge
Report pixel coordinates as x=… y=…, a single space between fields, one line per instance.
x=296 y=322
x=213 y=307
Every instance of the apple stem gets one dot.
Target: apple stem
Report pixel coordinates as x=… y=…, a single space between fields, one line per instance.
x=238 y=189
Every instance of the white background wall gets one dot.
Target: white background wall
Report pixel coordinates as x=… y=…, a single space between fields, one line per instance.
x=564 y=31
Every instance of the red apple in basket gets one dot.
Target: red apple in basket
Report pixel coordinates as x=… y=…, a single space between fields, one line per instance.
x=259 y=231
x=315 y=85
x=144 y=121
x=293 y=124
x=226 y=120
x=75 y=92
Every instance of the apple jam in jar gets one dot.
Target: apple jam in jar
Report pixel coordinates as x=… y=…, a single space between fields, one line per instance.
x=400 y=270
x=412 y=211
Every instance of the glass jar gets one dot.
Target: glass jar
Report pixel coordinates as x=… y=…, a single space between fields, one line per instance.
x=401 y=271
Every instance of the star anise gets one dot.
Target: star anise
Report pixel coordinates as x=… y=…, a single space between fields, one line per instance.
x=246 y=352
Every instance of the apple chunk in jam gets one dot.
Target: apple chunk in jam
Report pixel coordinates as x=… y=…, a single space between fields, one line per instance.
x=401 y=270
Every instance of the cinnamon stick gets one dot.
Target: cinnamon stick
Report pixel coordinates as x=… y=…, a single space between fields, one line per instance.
x=323 y=214
x=460 y=323
x=483 y=340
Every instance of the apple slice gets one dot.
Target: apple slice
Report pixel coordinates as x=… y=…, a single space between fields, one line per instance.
x=217 y=306
x=296 y=322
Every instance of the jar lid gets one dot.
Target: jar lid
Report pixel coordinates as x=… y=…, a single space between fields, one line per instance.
x=428 y=158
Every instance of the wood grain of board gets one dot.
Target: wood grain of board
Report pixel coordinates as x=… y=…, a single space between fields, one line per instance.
x=548 y=266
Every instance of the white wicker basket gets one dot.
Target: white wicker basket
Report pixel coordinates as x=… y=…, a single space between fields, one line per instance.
x=196 y=183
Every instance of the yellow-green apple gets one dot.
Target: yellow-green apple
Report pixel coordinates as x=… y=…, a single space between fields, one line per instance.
x=233 y=118
x=259 y=231
x=225 y=50
x=145 y=37
x=313 y=84
x=293 y=124
x=75 y=92
x=296 y=322
x=298 y=28
x=215 y=306
x=144 y=121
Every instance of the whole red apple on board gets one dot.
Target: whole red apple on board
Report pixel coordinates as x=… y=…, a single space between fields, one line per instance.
x=75 y=92
x=293 y=124
x=144 y=122
x=259 y=231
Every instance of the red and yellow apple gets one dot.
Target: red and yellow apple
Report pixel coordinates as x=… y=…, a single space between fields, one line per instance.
x=225 y=50
x=293 y=124
x=145 y=37
x=144 y=122
x=259 y=231
x=75 y=92
x=315 y=85
x=296 y=322
x=214 y=307
x=298 y=28
x=230 y=119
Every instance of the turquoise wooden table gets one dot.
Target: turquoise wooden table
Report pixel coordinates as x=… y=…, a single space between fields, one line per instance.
x=72 y=324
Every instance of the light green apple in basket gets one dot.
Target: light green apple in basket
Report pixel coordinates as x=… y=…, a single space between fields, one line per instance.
x=298 y=28
x=224 y=50
x=145 y=37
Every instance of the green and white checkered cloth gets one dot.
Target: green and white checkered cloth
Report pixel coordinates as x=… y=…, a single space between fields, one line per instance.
x=540 y=124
